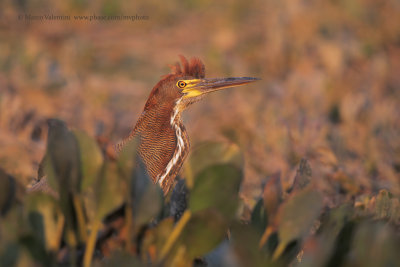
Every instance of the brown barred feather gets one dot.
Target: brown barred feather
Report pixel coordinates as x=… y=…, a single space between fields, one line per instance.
x=158 y=138
x=168 y=181
x=164 y=143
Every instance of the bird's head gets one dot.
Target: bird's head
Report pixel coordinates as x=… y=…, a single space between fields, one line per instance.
x=187 y=84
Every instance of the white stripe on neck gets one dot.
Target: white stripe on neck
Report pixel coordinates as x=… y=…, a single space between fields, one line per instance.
x=180 y=144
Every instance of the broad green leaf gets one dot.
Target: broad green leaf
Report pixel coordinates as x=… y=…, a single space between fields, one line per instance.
x=127 y=159
x=49 y=174
x=244 y=241
x=109 y=191
x=147 y=197
x=296 y=217
x=8 y=188
x=395 y=211
x=374 y=244
x=217 y=187
x=36 y=248
x=272 y=196
x=10 y=254
x=11 y=225
x=210 y=153
x=120 y=258
x=383 y=204
x=90 y=200
x=342 y=244
x=62 y=158
x=62 y=167
x=48 y=209
x=327 y=237
x=203 y=232
x=91 y=159
x=155 y=238
x=259 y=218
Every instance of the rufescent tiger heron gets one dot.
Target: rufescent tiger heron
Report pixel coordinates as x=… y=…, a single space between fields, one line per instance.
x=164 y=143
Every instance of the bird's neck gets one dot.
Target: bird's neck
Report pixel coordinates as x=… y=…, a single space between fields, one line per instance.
x=167 y=177
x=164 y=143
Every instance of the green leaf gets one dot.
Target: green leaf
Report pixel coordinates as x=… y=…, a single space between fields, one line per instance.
x=204 y=231
x=374 y=244
x=147 y=197
x=327 y=237
x=209 y=153
x=62 y=159
x=342 y=244
x=120 y=258
x=156 y=237
x=127 y=159
x=217 y=187
x=48 y=209
x=245 y=243
x=259 y=218
x=383 y=204
x=8 y=188
x=296 y=217
x=91 y=158
x=62 y=167
x=36 y=249
x=109 y=191
x=272 y=196
x=10 y=254
x=395 y=211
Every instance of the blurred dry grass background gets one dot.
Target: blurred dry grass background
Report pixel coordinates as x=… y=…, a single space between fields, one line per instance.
x=330 y=89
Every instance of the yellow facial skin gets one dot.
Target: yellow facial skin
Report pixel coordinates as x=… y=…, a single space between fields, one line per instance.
x=188 y=89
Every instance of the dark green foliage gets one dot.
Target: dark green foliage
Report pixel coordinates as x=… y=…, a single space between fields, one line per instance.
x=259 y=218
x=211 y=153
x=9 y=255
x=297 y=216
x=244 y=244
x=62 y=167
x=109 y=191
x=63 y=160
x=294 y=228
x=374 y=245
x=342 y=245
x=216 y=187
x=8 y=189
x=204 y=231
x=91 y=159
x=144 y=197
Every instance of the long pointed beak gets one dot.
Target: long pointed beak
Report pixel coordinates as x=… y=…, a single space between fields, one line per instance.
x=203 y=86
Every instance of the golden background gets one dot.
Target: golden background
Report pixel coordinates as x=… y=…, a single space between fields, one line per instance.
x=330 y=89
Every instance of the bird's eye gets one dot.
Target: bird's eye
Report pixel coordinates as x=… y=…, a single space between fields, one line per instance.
x=181 y=84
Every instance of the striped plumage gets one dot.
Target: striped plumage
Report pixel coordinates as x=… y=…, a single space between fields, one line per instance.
x=164 y=143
